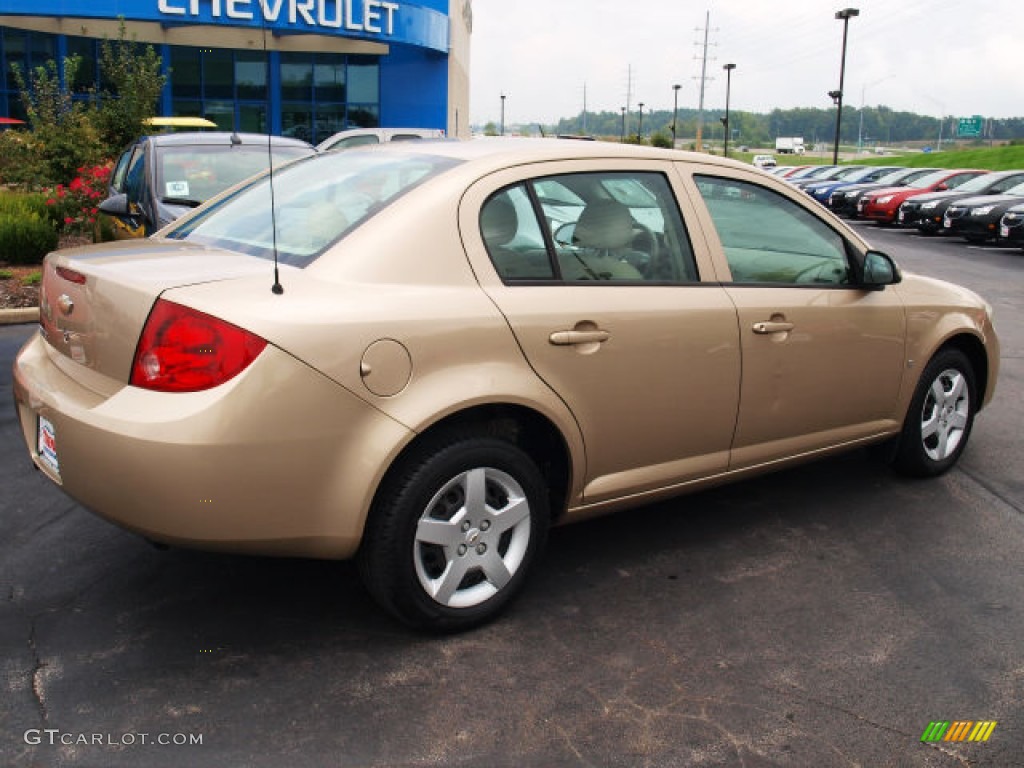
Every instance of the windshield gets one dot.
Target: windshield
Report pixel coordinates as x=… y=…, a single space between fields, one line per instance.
x=899 y=175
x=315 y=203
x=926 y=181
x=977 y=184
x=192 y=174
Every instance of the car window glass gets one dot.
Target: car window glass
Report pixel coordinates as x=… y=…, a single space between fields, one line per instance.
x=406 y=137
x=598 y=227
x=767 y=238
x=135 y=178
x=513 y=236
x=1003 y=185
x=317 y=201
x=117 y=177
x=355 y=141
x=194 y=174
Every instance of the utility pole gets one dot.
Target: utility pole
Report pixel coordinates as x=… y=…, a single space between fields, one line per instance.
x=629 y=96
x=703 y=79
x=584 y=130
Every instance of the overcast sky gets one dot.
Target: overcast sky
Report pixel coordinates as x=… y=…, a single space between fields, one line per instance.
x=952 y=57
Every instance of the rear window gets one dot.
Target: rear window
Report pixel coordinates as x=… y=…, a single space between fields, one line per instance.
x=316 y=202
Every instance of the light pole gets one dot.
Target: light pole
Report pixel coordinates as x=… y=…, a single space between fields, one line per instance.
x=503 y=114
x=622 y=135
x=846 y=14
x=640 y=125
x=728 y=85
x=675 y=112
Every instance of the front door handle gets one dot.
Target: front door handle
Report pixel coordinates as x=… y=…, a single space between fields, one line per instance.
x=772 y=326
x=572 y=338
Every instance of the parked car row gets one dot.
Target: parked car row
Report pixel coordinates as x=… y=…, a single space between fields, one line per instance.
x=974 y=204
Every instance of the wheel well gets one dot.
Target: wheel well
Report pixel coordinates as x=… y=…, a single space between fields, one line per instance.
x=533 y=433
x=975 y=351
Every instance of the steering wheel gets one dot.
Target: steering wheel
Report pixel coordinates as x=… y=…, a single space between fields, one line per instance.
x=563 y=233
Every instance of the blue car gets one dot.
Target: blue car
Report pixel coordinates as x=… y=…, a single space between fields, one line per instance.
x=821 y=190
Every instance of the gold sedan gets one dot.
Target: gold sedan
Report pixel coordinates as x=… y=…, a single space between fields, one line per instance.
x=423 y=355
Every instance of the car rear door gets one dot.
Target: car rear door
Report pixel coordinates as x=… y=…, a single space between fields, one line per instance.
x=630 y=330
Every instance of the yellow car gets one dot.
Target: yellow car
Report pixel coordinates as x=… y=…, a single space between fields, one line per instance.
x=424 y=355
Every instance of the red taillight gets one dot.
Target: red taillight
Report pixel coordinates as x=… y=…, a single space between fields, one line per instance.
x=182 y=350
x=71 y=275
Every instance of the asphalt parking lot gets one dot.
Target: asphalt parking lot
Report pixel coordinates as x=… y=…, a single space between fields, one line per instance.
x=821 y=616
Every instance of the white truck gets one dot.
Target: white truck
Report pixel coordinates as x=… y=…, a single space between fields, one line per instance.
x=789 y=145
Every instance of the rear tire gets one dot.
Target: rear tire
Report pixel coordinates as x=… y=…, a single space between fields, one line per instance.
x=940 y=417
x=454 y=532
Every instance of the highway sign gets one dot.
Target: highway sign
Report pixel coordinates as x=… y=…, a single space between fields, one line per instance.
x=970 y=127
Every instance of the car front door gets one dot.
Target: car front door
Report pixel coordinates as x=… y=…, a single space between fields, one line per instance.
x=596 y=276
x=823 y=359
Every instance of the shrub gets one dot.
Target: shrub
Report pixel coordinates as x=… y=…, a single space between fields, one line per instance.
x=661 y=139
x=73 y=208
x=25 y=238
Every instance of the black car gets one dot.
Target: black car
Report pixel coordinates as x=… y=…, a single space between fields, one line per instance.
x=1011 y=226
x=161 y=177
x=926 y=212
x=976 y=219
x=844 y=201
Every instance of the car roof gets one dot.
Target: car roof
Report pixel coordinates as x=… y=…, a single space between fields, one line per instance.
x=499 y=150
x=225 y=138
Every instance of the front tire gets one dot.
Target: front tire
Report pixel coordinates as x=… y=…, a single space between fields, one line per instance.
x=454 y=531
x=940 y=416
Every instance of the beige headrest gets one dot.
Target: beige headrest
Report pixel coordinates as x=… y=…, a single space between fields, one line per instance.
x=605 y=225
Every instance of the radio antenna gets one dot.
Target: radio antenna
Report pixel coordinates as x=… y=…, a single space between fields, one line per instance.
x=277 y=289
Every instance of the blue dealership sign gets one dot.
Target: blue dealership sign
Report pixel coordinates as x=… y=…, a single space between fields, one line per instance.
x=424 y=25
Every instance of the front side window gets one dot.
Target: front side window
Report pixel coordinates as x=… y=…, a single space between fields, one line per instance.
x=588 y=227
x=768 y=238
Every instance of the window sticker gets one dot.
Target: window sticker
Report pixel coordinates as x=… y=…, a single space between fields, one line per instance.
x=176 y=189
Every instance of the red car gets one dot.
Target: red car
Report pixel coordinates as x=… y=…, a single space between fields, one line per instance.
x=883 y=204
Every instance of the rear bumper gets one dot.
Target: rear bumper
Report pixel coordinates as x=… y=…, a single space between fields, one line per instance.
x=280 y=460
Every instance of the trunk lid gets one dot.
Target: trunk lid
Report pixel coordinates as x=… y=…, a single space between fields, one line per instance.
x=95 y=300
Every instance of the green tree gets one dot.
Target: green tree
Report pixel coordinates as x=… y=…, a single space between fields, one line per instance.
x=131 y=86
x=62 y=138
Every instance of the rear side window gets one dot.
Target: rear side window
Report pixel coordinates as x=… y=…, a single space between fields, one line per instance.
x=588 y=227
x=767 y=238
x=355 y=141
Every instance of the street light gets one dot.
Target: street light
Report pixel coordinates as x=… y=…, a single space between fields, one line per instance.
x=846 y=14
x=640 y=125
x=675 y=112
x=622 y=135
x=503 y=114
x=728 y=83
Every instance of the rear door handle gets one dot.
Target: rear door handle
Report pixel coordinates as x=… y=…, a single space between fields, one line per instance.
x=571 y=338
x=772 y=326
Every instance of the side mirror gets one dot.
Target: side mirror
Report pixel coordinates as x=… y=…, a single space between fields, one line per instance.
x=879 y=271
x=116 y=205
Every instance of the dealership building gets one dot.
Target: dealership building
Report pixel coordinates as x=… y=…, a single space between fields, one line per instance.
x=304 y=68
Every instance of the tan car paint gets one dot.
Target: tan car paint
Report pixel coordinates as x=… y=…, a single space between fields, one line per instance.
x=287 y=457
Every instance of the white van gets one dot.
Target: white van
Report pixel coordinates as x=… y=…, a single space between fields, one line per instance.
x=357 y=137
